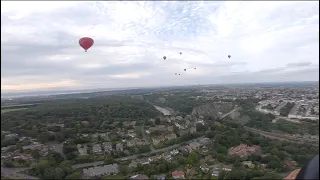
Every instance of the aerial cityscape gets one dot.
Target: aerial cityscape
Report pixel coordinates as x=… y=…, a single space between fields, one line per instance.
x=159 y=90
x=197 y=132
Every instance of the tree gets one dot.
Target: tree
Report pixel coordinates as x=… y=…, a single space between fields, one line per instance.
x=75 y=175
x=53 y=173
x=209 y=134
x=157 y=121
x=271 y=175
x=67 y=149
x=8 y=164
x=71 y=156
x=21 y=161
x=57 y=157
x=99 y=138
x=274 y=164
x=222 y=175
x=221 y=149
x=200 y=127
x=193 y=158
x=35 y=154
x=19 y=146
x=236 y=174
x=124 y=170
x=237 y=162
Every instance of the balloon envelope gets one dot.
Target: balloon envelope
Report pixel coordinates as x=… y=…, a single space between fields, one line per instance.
x=86 y=43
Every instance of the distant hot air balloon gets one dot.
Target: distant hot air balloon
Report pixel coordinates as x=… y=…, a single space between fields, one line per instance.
x=180 y=53
x=195 y=68
x=86 y=43
x=229 y=56
x=164 y=57
x=185 y=69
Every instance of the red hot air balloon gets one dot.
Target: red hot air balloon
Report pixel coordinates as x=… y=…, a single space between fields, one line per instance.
x=86 y=43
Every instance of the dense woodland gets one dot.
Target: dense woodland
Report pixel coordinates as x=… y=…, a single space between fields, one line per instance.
x=184 y=103
x=98 y=112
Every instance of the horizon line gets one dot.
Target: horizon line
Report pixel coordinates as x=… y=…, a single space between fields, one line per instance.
x=79 y=91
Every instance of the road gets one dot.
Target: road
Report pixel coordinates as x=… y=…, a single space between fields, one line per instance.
x=13 y=173
x=284 y=137
x=226 y=114
x=132 y=157
x=97 y=163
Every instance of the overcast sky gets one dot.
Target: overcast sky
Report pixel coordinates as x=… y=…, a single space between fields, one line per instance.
x=268 y=42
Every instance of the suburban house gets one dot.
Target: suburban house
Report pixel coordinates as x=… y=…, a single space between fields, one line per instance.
x=101 y=170
x=119 y=147
x=107 y=146
x=96 y=148
x=178 y=175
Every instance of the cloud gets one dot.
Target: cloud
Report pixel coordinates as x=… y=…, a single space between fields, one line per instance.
x=268 y=41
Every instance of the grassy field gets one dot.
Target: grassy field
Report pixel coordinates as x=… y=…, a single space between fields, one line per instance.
x=4 y=178
x=16 y=105
x=11 y=110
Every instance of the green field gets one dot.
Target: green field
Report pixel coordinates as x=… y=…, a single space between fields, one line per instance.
x=11 y=110
x=16 y=105
x=4 y=178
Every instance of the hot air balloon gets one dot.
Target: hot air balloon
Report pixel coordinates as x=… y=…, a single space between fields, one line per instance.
x=179 y=74
x=229 y=56
x=164 y=57
x=195 y=68
x=180 y=53
x=86 y=43
x=185 y=69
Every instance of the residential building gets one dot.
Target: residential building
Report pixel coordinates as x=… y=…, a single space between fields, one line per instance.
x=119 y=147
x=174 y=152
x=248 y=164
x=159 y=177
x=101 y=170
x=133 y=164
x=96 y=148
x=83 y=150
x=178 y=175
x=107 y=146
x=157 y=140
x=243 y=150
x=170 y=136
x=204 y=168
